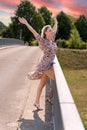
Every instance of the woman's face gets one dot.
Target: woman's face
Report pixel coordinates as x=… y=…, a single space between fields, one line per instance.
x=49 y=33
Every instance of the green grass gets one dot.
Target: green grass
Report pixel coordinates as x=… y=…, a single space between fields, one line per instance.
x=74 y=65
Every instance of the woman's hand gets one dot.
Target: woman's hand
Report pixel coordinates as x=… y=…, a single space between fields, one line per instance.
x=23 y=20
x=55 y=24
x=55 y=20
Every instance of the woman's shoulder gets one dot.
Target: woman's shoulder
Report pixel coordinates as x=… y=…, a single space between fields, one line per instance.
x=42 y=40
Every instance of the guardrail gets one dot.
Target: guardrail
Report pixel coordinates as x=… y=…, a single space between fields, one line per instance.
x=65 y=113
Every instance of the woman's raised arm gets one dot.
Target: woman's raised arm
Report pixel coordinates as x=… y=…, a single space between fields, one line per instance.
x=24 y=21
x=55 y=25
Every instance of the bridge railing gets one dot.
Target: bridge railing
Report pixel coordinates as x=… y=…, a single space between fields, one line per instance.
x=65 y=113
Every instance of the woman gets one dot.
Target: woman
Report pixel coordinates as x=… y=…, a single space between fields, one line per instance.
x=44 y=69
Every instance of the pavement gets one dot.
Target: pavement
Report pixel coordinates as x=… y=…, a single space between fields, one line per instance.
x=33 y=119
x=17 y=93
x=7 y=46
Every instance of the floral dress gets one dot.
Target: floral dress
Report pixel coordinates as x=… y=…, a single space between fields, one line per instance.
x=46 y=63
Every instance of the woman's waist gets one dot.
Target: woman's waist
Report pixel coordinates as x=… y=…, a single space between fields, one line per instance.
x=48 y=56
x=47 y=60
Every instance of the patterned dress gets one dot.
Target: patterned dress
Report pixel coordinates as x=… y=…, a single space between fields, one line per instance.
x=46 y=63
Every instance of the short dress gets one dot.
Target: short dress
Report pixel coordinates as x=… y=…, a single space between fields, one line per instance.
x=46 y=63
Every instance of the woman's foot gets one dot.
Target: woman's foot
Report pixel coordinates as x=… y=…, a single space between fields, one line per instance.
x=37 y=106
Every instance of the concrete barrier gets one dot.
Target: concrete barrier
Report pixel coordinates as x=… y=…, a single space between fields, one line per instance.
x=65 y=113
x=11 y=41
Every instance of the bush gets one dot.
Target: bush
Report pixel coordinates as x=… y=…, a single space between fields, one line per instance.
x=83 y=45
x=26 y=43
x=61 y=43
x=75 y=41
x=34 y=43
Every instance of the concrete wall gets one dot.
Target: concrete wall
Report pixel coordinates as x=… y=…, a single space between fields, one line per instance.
x=65 y=113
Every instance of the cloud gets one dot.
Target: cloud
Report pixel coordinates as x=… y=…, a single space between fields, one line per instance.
x=7 y=9
x=74 y=7
x=71 y=7
x=9 y=3
x=55 y=6
x=5 y=19
x=8 y=6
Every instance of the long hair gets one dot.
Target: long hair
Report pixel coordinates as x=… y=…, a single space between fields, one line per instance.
x=44 y=29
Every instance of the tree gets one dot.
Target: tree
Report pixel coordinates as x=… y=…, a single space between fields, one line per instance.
x=75 y=40
x=2 y=28
x=64 y=26
x=81 y=25
x=28 y=11
x=46 y=15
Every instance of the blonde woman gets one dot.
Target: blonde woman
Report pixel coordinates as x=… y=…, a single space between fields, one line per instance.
x=44 y=69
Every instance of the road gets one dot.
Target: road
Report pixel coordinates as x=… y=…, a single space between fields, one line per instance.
x=17 y=93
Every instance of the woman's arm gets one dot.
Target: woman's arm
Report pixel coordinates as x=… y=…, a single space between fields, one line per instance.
x=24 y=21
x=55 y=25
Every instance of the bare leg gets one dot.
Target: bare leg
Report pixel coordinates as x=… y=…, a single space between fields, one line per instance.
x=50 y=74
x=51 y=91
x=40 y=87
x=46 y=74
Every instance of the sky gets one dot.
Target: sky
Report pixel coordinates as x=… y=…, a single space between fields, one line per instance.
x=72 y=7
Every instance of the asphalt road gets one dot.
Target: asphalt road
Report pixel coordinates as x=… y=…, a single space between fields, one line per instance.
x=15 y=62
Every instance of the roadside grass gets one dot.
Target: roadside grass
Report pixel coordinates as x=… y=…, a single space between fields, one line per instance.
x=74 y=65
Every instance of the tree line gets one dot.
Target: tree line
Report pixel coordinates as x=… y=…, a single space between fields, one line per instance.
x=71 y=32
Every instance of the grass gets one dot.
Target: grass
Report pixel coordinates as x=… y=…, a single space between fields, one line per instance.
x=74 y=65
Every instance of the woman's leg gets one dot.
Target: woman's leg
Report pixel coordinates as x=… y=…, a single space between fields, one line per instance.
x=50 y=74
x=51 y=89
x=46 y=74
x=40 y=87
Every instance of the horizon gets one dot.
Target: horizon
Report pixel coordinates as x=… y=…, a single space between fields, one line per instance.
x=73 y=8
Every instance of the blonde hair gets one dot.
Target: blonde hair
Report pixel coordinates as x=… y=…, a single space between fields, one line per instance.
x=44 y=29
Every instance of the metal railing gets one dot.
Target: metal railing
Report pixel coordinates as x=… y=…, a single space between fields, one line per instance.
x=65 y=113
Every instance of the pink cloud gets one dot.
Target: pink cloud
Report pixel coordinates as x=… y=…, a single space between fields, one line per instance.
x=7 y=10
x=50 y=6
x=53 y=5
x=7 y=2
x=77 y=10
x=8 y=6
x=67 y=3
x=71 y=7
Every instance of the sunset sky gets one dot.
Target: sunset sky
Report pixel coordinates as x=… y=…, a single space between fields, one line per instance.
x=71 y=7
